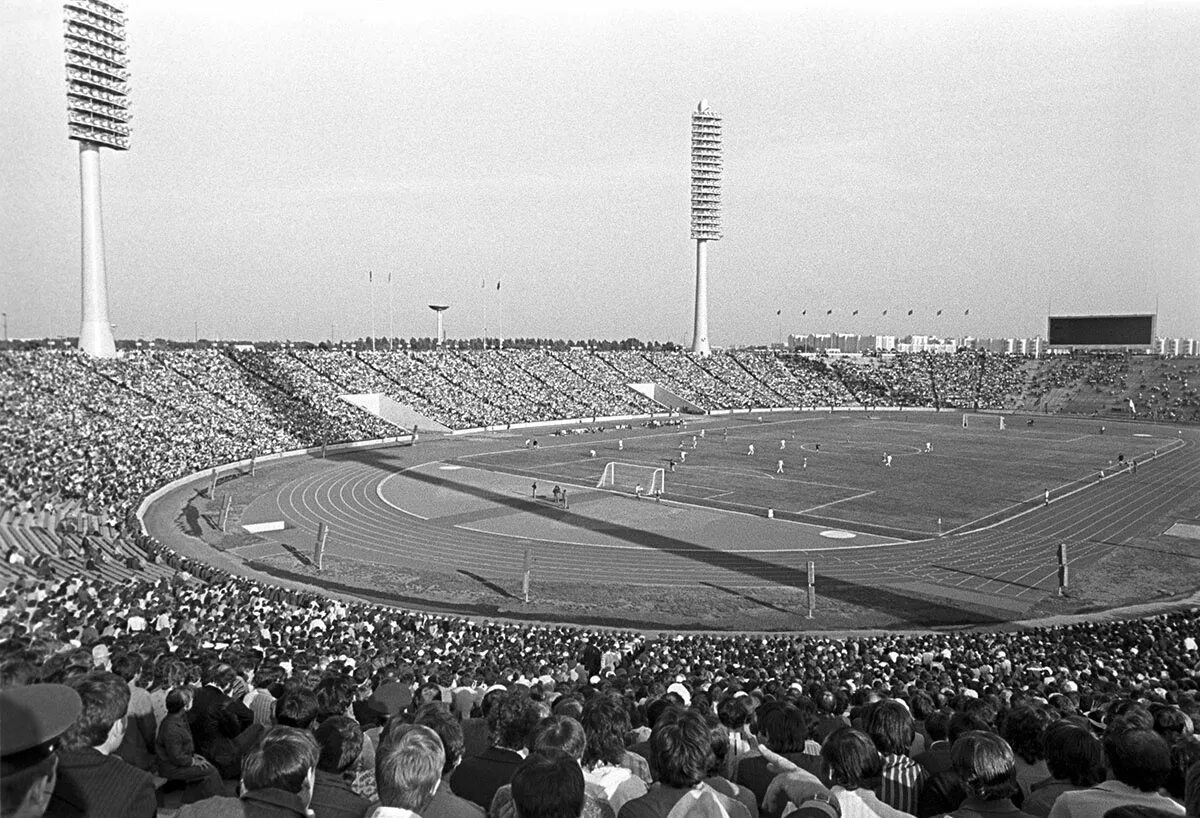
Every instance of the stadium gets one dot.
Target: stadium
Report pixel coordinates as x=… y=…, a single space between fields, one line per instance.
x=450 y=577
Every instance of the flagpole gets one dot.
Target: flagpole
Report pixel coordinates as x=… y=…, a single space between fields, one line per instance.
x=371 y=293
x=500 y=321
x=391 y=314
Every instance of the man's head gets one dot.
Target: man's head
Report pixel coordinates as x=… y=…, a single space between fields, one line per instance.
x=891 y=727
x=31 y=720
x=681 y=747
x=1137 y=757
x=548 y=784
x=296 y=707
x=101 y=725
x=408 y=767
x=341 y=741
x=558 y=733
x=985 y=764
x=448 y=729
x=285 y=759
x=511 y=719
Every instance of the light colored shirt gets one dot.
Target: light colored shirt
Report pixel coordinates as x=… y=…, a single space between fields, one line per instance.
x=1101 y=798
x=863 y=803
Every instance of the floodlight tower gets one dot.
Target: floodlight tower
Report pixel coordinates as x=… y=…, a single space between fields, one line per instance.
x=97 y=117
x=706 y=209
x=439 y=309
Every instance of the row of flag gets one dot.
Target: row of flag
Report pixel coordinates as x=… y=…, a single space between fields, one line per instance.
x=371 y=279
x=885 y=312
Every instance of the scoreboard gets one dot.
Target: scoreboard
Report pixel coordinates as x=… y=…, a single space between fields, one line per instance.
x=1112 y=331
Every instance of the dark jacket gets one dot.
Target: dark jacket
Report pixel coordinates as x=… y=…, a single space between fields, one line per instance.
x=173 y=746
x=478 y=778
x=265 y=803
x=93 y=784
x=333 y=797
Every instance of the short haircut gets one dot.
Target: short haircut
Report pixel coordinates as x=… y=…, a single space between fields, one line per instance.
x=890 y=726
x=1022 y=728
x=281 y=760
x=127 y=666
x=735 y=711
x=680 y=748
x=334 y=695
x=559 y=733
x=964 y=722
x=448 y=729
x=105 y=698
x=408 y=767
x=986 y=765
x=341 y=742
x=178 y=699
x=548 y=784
x=1073 y=754
x=937 y=725
x=785 y=727
x=851 y=758
x=605 y=721
x=1139 y=758
x=296 y=707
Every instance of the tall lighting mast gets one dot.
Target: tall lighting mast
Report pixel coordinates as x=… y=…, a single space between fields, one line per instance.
x=97 y=117
x=706 y=209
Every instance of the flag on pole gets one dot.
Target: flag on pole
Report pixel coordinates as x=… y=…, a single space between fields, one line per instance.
x=829 y=312
x=497 y=285
x=1132 y=408
x=804 y=312
x=779 y=312
x=854 y=313
x=389 y=276
x=910 y=312
x=885 y=312
x=966 y=312
x=370 y=276
x=939 y=312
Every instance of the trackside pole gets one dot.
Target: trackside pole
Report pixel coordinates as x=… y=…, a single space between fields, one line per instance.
x=253 y=463
x=1064 y=570
x=212 y=486
x=525 y=576
x=319 y=548
x=812 y=587
x=226 y=504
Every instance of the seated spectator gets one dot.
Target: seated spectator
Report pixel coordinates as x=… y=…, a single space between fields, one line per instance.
x=277 y=780
x=892 y=728
x=718 y=735
x=340 y=742
x=1075 y=760
x=548 y=784
x=554 y=735
x=936 y=756
x=682 y=756
x=1139 y=762
x=176 y=753
x=408 y=772
x=92 y=781
x=944 y=791
x=854 y=767
x=986 y=766
x=605 y=722
x=32 y=718
x=511 y=719
x=445 y=803
x=1022 y=728
x=783 y=728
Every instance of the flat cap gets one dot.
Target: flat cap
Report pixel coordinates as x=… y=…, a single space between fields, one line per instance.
x=32 y=716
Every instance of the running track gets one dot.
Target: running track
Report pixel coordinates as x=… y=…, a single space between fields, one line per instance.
x=997 y=573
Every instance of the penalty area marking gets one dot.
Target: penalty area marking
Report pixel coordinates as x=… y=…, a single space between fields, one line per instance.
x=448 y=467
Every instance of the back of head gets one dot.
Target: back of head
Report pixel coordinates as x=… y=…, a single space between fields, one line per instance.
x=1073 y=754
x=851 y=758
x=511 y=719
x=561 y=733
x=296 y=707
x=1022 y=728
x=1137 y=757
x=985 y=764
x=335 y=695
x=105 y=698
x=681 y=748
x=964 y=722
x=448 y=729
x=891 y=727
x=341 y=741
x=408 y=768
x=548 y=784
x=284 y=759
x=605 y=722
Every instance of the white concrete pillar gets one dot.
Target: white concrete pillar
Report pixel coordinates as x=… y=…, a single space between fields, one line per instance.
x=700 y=330
x=95 y=331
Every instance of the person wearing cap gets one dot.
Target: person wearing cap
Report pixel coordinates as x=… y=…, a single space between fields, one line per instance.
x=91 y=780
x=31 y=720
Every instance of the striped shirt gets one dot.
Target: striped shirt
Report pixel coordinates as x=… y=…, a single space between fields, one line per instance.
x=901 y=782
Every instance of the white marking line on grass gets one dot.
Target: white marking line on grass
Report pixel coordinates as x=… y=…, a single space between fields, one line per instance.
x=718 y=494
x=835 y=502
x=389 y=503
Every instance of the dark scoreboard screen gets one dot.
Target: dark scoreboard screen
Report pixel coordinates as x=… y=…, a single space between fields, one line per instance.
x=1102 y=330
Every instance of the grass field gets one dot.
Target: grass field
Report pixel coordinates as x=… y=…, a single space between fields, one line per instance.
x=833 y=470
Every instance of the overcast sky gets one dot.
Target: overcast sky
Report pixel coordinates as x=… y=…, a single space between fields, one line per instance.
x=1006 y=160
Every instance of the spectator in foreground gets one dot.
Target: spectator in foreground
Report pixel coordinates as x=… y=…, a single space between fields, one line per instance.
x=556 y=735
x=277 y=780
x=91 y=780
x=853 y=765
x=1139 y=761
x=31 y=720
x=548 y=784
x=1075 y=760
x=340 y=742
x=987 y=768
x=446 y=804
x=892 y=728
x=511 y=719
x=176 y=754
x=682 y=756
x=408 y=771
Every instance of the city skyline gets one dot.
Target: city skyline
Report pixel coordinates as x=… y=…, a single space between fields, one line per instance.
x=1009 y=161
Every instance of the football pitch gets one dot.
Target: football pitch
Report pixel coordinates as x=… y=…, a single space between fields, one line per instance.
x=942 y=478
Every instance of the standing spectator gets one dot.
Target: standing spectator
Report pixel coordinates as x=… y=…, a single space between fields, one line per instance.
x=91 y=780
x=176 y=753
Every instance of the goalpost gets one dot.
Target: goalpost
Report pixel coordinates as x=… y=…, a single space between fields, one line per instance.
x=985 y=421
x=628 y=476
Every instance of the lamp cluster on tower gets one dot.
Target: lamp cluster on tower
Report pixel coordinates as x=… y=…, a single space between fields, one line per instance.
x=706 y=173
x=97 y=73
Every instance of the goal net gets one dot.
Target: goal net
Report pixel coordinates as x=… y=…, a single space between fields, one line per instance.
x=628 y=476
x=983 y=421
